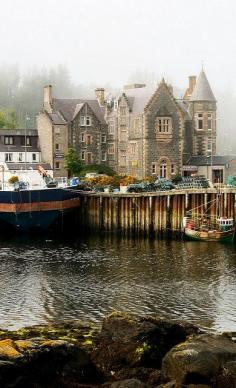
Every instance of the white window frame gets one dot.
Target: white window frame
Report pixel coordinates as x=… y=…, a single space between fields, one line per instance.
x=164 y=125
x=82 y=137
x=8 y=157
x=57 y=168
x=20 y=157
x=163 y=169
x=103 y=138
x=82 y=155
x=8 y=140
x=34 y=157
x=57 y=147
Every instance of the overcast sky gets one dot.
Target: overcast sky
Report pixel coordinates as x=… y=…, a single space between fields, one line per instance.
x=105 y=41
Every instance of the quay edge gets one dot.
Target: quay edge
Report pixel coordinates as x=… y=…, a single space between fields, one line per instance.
x=153 y=213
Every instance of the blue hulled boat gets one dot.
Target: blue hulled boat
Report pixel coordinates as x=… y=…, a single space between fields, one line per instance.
x=28 y=209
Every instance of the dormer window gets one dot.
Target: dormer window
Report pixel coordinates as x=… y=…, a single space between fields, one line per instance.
x=164 y=124
x=8 y=140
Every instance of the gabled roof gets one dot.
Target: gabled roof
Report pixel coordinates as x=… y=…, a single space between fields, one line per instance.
x=67 y=108
x=217 y=160
x=202 y=90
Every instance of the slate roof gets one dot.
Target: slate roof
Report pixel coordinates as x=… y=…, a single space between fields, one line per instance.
x=138 y=98
x=29 y=166
x=217 y=160
x=202 y=90
x=184 y=108
x=67 y=108
x=56 y=118
x=18 y=132
x=18 y=148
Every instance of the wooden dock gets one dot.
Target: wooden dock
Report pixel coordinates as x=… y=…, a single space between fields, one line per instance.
x=156 y=213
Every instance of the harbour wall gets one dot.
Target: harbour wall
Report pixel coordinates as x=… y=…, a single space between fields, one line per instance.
x=156 y=213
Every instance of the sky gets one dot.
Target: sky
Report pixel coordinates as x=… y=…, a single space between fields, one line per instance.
x=110 y=41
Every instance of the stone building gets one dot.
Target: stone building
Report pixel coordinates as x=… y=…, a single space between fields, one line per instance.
x=77 y=123
x=153 y=133
x=142 y=132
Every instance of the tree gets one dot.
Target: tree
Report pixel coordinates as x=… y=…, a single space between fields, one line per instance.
x=73 y=164
x=8 y=119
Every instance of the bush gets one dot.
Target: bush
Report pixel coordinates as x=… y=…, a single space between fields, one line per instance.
x=98 y=169
x=13 y=179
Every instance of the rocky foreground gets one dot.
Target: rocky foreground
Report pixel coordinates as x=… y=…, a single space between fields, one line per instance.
x=127 y=351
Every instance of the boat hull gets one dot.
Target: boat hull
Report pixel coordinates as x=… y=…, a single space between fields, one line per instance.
x=36 y=209
x=217 y=236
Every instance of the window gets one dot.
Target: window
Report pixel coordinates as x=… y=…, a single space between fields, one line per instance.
x=164 y=124
x=57 y=147
x=132 y=148
x=20 y=157
x=57 y=165
x=83 y=137
x=83 y=155
x=104 y=138
x=57 y=131
x=8 y=157
x=163 y=170
x=104 y=156
x=8 y=140
x=209 y=145
x=89 y=157
x=34 y=157
x=111 y=148
x=28 y=141
x=85 y=121
x=209 y=121
x=200 y=121
x=123 y=110
x=172 y=168
x=111 y=127
x=89 y=139
x=154 y=168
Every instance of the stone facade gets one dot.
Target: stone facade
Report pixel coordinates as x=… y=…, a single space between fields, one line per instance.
x=65 y=123
x=142 y=132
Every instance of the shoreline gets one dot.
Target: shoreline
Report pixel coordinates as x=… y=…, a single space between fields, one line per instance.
x=123 y=351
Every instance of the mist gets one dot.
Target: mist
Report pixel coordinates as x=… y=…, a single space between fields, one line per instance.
x=77 y=45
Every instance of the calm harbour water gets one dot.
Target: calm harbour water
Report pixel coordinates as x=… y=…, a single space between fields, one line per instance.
x=46 y=280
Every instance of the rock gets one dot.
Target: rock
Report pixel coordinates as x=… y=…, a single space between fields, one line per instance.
x=130 y=383
x=199 y=360
x=128 y=342
x=149 y=376
x=39 y=363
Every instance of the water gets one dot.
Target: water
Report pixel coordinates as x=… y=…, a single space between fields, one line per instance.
x=45 y=280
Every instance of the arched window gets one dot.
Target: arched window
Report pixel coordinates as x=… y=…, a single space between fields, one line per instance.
x=163 y=169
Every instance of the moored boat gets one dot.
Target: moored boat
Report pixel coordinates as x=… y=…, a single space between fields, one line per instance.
x=205 y=228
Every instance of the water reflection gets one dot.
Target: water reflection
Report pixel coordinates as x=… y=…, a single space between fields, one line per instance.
x=43 y=281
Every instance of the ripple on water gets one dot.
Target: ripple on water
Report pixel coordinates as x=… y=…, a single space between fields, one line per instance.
x=43 y=281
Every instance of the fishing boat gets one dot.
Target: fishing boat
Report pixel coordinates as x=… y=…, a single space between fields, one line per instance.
x=28 y=206
x=206 y=228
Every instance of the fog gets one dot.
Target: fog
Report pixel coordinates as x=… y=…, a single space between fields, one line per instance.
x=110 y=42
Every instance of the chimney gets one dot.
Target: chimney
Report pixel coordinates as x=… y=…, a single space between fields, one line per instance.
x=192 y=83
x=47 y=97
x=100 y=96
